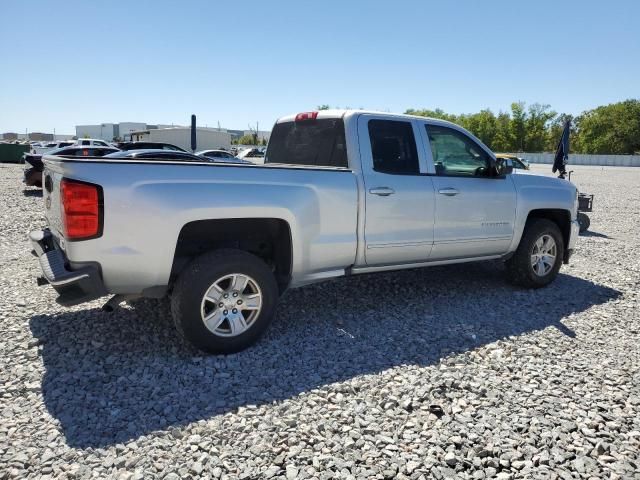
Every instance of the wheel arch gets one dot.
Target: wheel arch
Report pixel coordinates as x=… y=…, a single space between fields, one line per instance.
x=267 y=238
x=561 y=217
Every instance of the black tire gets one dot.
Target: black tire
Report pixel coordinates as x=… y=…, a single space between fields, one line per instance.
x=584 y=221
x=195 y=281
x=519 y=268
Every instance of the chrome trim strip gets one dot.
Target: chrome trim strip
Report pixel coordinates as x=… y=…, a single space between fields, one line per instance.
x=386 y=268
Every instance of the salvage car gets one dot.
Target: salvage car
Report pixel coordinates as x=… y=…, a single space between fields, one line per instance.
x=148 y=146
x=221 y=156
x=156 y=154
x=517 y=162
x=255 y=153
x=45 y=147
x=33 y=174
x=341 y=193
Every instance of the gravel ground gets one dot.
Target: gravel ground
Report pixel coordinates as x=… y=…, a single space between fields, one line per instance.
x=432 y=373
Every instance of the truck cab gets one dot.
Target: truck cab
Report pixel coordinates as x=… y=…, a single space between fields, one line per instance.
x=429 y=191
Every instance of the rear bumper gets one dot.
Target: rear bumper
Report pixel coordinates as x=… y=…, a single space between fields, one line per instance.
x=573 y=238
x=73 y=286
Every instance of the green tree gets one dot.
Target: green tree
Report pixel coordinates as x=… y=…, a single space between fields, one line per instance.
x=537 y=121
x=518 y=126
x=483 y=125
x=247 y=140
x=503 y=140
x=437 y=113
x=610 y=129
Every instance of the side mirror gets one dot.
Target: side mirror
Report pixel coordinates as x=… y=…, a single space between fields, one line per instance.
x=503 y=166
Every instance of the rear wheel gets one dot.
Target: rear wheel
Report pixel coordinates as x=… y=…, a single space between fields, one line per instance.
x=539 y=256
x=224 y=301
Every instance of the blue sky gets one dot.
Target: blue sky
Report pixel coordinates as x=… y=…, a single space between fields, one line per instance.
x=75 y=62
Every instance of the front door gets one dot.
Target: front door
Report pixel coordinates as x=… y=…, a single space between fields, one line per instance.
x=399 y=197
x=475 y=212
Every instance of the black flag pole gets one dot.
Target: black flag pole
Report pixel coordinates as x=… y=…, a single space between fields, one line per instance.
x=194 y=143
x=562 y=152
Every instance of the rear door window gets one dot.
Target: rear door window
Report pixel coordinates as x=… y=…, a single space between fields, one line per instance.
x=393 y=147
x=317 y=143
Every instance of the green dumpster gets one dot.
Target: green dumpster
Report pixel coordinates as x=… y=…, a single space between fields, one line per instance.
x=12 y=152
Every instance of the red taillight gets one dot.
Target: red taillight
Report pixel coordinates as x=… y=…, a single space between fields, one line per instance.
x=80 y=209
x=306 y=116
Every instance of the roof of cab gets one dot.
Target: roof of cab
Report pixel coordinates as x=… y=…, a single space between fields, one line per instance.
x=344 y=113
x=341 y=113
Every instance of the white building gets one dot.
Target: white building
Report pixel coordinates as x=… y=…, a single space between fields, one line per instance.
x=207 y=138
x=103 y=131
x=125 y=129
x=109 y=131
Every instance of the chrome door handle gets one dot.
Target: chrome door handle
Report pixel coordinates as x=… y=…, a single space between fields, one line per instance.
x=449 y=192
x=382 y=191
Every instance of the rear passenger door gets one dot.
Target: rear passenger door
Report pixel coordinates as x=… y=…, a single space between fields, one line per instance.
x=399 y=195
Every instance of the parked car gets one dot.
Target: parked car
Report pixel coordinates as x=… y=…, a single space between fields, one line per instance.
x=45 y=147
x=157 y=154
x=518 y=162
x=33 y=174
x=148 y=146
x=50 y=146
x=220 y=156
x=252 y=153
x=92 y=142
x=341 y=193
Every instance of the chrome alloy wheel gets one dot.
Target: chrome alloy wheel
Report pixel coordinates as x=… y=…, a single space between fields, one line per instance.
x=543 y=255
x=231 y=305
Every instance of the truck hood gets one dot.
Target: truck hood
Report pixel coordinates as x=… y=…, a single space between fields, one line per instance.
x=524 y=177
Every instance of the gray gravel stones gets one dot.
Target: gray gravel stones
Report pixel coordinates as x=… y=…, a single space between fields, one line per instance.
x=473 y=380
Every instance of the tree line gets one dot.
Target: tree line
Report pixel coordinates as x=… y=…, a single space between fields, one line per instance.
x=607 y=129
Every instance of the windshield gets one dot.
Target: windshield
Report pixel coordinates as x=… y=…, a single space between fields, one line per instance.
x=319 y=143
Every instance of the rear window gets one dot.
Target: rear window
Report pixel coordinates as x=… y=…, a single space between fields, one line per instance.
x=318 y=143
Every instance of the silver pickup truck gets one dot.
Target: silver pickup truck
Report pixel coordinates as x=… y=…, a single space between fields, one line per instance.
x=340 y=193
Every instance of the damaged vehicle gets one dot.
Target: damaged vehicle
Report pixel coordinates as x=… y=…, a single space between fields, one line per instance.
x=33 y=174
x=340 y=193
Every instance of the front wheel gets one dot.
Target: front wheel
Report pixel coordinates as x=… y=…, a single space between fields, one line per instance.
x=224 y=301
x=539 y=256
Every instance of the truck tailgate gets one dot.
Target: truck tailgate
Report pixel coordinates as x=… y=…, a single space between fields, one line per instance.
x=52 y=176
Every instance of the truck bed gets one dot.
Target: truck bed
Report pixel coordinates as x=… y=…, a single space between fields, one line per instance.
x=147 y=203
